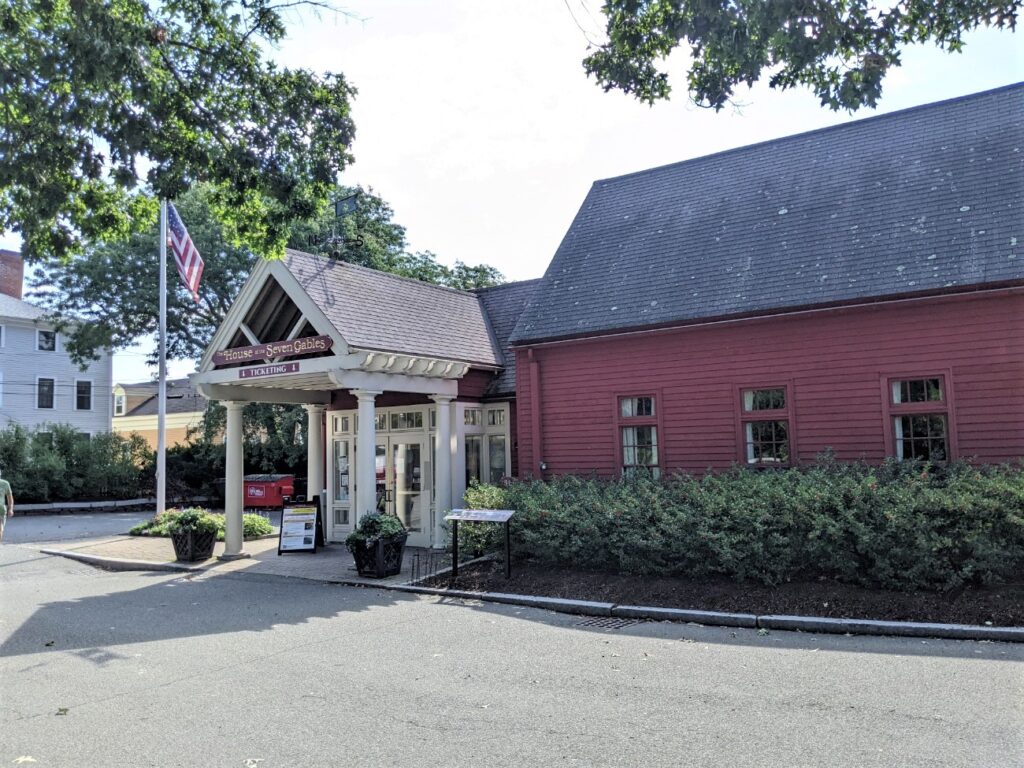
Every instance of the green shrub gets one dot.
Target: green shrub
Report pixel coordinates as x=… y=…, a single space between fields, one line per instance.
x=899 y=526
x=372 y=527
x=196 y=520
x=253 y=526
x=56 y=462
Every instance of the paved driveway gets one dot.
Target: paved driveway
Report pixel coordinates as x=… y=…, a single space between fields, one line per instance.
x=23 y=529
x=142 y=669
x=39 y=528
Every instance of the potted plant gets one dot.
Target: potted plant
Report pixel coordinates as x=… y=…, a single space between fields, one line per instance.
x=377 y=545
x=193 y=533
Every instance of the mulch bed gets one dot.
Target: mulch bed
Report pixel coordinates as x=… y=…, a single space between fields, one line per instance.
x=1001 y=606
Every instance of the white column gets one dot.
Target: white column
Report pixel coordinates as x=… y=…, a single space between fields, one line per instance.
x=315 y=453
x=233 y=480
x=443 y=470
x=366 y=450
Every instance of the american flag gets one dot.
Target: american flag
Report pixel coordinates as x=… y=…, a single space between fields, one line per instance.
x=190 y=263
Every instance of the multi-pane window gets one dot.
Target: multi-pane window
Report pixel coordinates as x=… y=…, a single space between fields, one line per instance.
x=638 y=434
x=917 y=391
x=474 y=458
x=918 y=408
x=765 y=420
x=921 y=436
x=342 y=477
x=486 y=444
x=632 y=407
x=83 y=395
x=640 y=448
x=44 y=393
x=496 y=456
x=119 y=405
x=46 y=341
x=407 y=420
x=764 y=399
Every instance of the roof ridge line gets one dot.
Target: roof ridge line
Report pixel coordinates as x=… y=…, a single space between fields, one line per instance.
x=824 y=129
x=360 y=267
x=509 y=284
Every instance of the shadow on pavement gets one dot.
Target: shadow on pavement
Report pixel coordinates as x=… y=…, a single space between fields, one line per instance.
x=172 y=606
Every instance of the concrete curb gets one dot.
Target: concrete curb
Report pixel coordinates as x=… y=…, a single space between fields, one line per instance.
x=711 y=618
x=591 y=608
x=895 y=628
x=122 y=564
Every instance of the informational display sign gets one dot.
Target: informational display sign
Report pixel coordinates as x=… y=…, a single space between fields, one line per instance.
x=481 y=515
x=275 y=349
x=298 y=530
x=500 y=516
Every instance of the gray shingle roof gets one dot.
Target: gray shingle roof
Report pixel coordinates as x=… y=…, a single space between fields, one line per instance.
x=504 y=304
x=181 y=398
x=17 y=309
x=928 y=199
x=377 y=310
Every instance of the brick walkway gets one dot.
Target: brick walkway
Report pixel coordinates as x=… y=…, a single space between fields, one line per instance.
x=332 y=563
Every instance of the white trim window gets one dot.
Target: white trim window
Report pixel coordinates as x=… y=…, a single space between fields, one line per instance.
x=46 y=393
x=119 y=404
x=46 y=341
x=486 y=443
x=637 y=423
x=83 y=394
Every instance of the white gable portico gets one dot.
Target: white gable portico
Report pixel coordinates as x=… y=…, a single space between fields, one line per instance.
x=355 y=342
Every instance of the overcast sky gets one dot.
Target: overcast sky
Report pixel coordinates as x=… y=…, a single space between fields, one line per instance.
x=477 y=123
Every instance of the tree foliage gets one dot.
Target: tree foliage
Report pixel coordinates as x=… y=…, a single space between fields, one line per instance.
x=56 y=462
x=106 y=106
x=841 y=49
x=106 y=297
x=365 y=234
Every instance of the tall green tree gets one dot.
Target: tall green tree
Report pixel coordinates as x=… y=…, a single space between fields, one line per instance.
x=841 y=49
x=105 y=106
x=360 y=230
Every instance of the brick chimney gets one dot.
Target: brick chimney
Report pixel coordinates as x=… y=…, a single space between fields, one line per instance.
x=12 y=273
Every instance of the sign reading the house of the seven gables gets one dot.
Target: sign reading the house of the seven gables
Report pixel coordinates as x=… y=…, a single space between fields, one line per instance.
x=304 y=346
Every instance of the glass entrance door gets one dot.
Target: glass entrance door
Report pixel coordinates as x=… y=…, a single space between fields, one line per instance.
x=400 y=465
x=340 y=489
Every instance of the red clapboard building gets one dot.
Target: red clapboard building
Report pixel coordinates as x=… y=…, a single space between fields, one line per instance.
x=858 y=289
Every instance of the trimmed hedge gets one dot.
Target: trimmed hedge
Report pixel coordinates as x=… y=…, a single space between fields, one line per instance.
x=253 y=526
x=58 y=463
x=901 y=526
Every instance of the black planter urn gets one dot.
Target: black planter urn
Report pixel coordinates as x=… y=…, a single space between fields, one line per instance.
x=193 y=546
x=381 y=557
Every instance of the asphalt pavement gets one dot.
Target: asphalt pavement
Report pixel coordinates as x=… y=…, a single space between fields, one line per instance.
x=23 y=529
x=143 y=669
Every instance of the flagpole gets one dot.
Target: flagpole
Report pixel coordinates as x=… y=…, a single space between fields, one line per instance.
x=161 y=439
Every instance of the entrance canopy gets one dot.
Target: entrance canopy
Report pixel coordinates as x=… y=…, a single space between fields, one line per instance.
x=305 y=326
